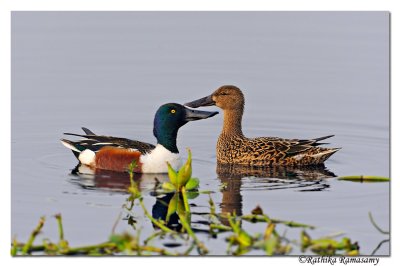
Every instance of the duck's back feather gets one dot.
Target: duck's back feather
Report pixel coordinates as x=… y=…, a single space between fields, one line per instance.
x=95 y=142
x=266 y=151
x=106 y=152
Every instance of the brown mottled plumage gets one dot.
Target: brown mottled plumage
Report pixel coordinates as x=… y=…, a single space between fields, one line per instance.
x=234 y=148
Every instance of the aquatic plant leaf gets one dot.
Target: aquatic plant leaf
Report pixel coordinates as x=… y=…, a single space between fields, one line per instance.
x=184 y=216
x=193 y=183
x=305 y=239
x=132 y=166
x=244 y=239
x=192 y=194
x=172 y=174
x=271 y=245
x=269 y=230
x=63 y=244
x=134 y=190
x=346 y=244
x=327 y=245
x=172 y=206
x=185 y=172
x=180 y=208
x=353 y=253
x=120 y=241
x=168 y=186
x=14 y=247
x=363 y=178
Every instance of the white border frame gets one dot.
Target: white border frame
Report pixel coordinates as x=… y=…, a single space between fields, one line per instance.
x=6 y=6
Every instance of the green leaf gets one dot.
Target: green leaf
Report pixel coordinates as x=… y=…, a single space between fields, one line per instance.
x=132 y=166
x=172 y=206
x=244 y=239
x=269 y=231
x=168 y=186
x=185 y=172
x=192 y=184
x=192 y=194
x=173 y=176
x=134 y=190
x=271 y=245
x=180 y=208
x=362 y=178
x=305 y=239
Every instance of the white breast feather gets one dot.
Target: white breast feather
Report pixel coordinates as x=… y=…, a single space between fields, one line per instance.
x=87 y=157
x=156 y=160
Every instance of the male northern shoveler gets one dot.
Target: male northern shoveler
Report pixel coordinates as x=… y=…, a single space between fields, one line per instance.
x=234 y=148
x=116 y=154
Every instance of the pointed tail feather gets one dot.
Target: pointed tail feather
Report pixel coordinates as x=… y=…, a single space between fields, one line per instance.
x=320 y=143
x=323 y=156
x=70 y=145
x=322 y=138
x=332 y=150
x=315 y=142
x=74 y=134
x=88 y=131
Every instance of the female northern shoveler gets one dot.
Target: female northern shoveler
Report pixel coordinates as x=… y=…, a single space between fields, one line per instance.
x=234 y=148
x=116 y=154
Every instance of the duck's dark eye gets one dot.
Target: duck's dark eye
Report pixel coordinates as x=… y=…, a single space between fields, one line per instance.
x=173 y=111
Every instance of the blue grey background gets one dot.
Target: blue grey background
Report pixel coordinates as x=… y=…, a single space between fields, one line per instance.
x=304 y=75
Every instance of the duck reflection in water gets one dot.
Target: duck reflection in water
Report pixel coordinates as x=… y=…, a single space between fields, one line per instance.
x=160 y=212
x=232 y=177
x=107 y=180
x=306 y=178
x=89 y=178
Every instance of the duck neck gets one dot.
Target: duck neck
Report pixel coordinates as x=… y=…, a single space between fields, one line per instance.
x=233 y=122
x=167 y=138
x=169 y=143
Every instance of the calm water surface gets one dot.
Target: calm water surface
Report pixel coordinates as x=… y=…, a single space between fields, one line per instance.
x=304 y=75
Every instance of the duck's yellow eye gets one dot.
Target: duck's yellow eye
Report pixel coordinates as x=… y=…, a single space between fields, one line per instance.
x=173 y=111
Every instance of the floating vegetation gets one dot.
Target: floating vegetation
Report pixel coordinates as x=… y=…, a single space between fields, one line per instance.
x=364 y=178
x=328 y=246
x=175 y=224
x=239 y=241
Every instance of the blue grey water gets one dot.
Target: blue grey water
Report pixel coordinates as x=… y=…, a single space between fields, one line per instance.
x=304 y=75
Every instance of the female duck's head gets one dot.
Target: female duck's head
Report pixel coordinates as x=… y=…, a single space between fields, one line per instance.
x=169 y=118
x=227 y=97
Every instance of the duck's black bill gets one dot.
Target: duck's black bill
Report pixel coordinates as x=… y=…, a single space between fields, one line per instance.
x=192 y=115
x=206 y=101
